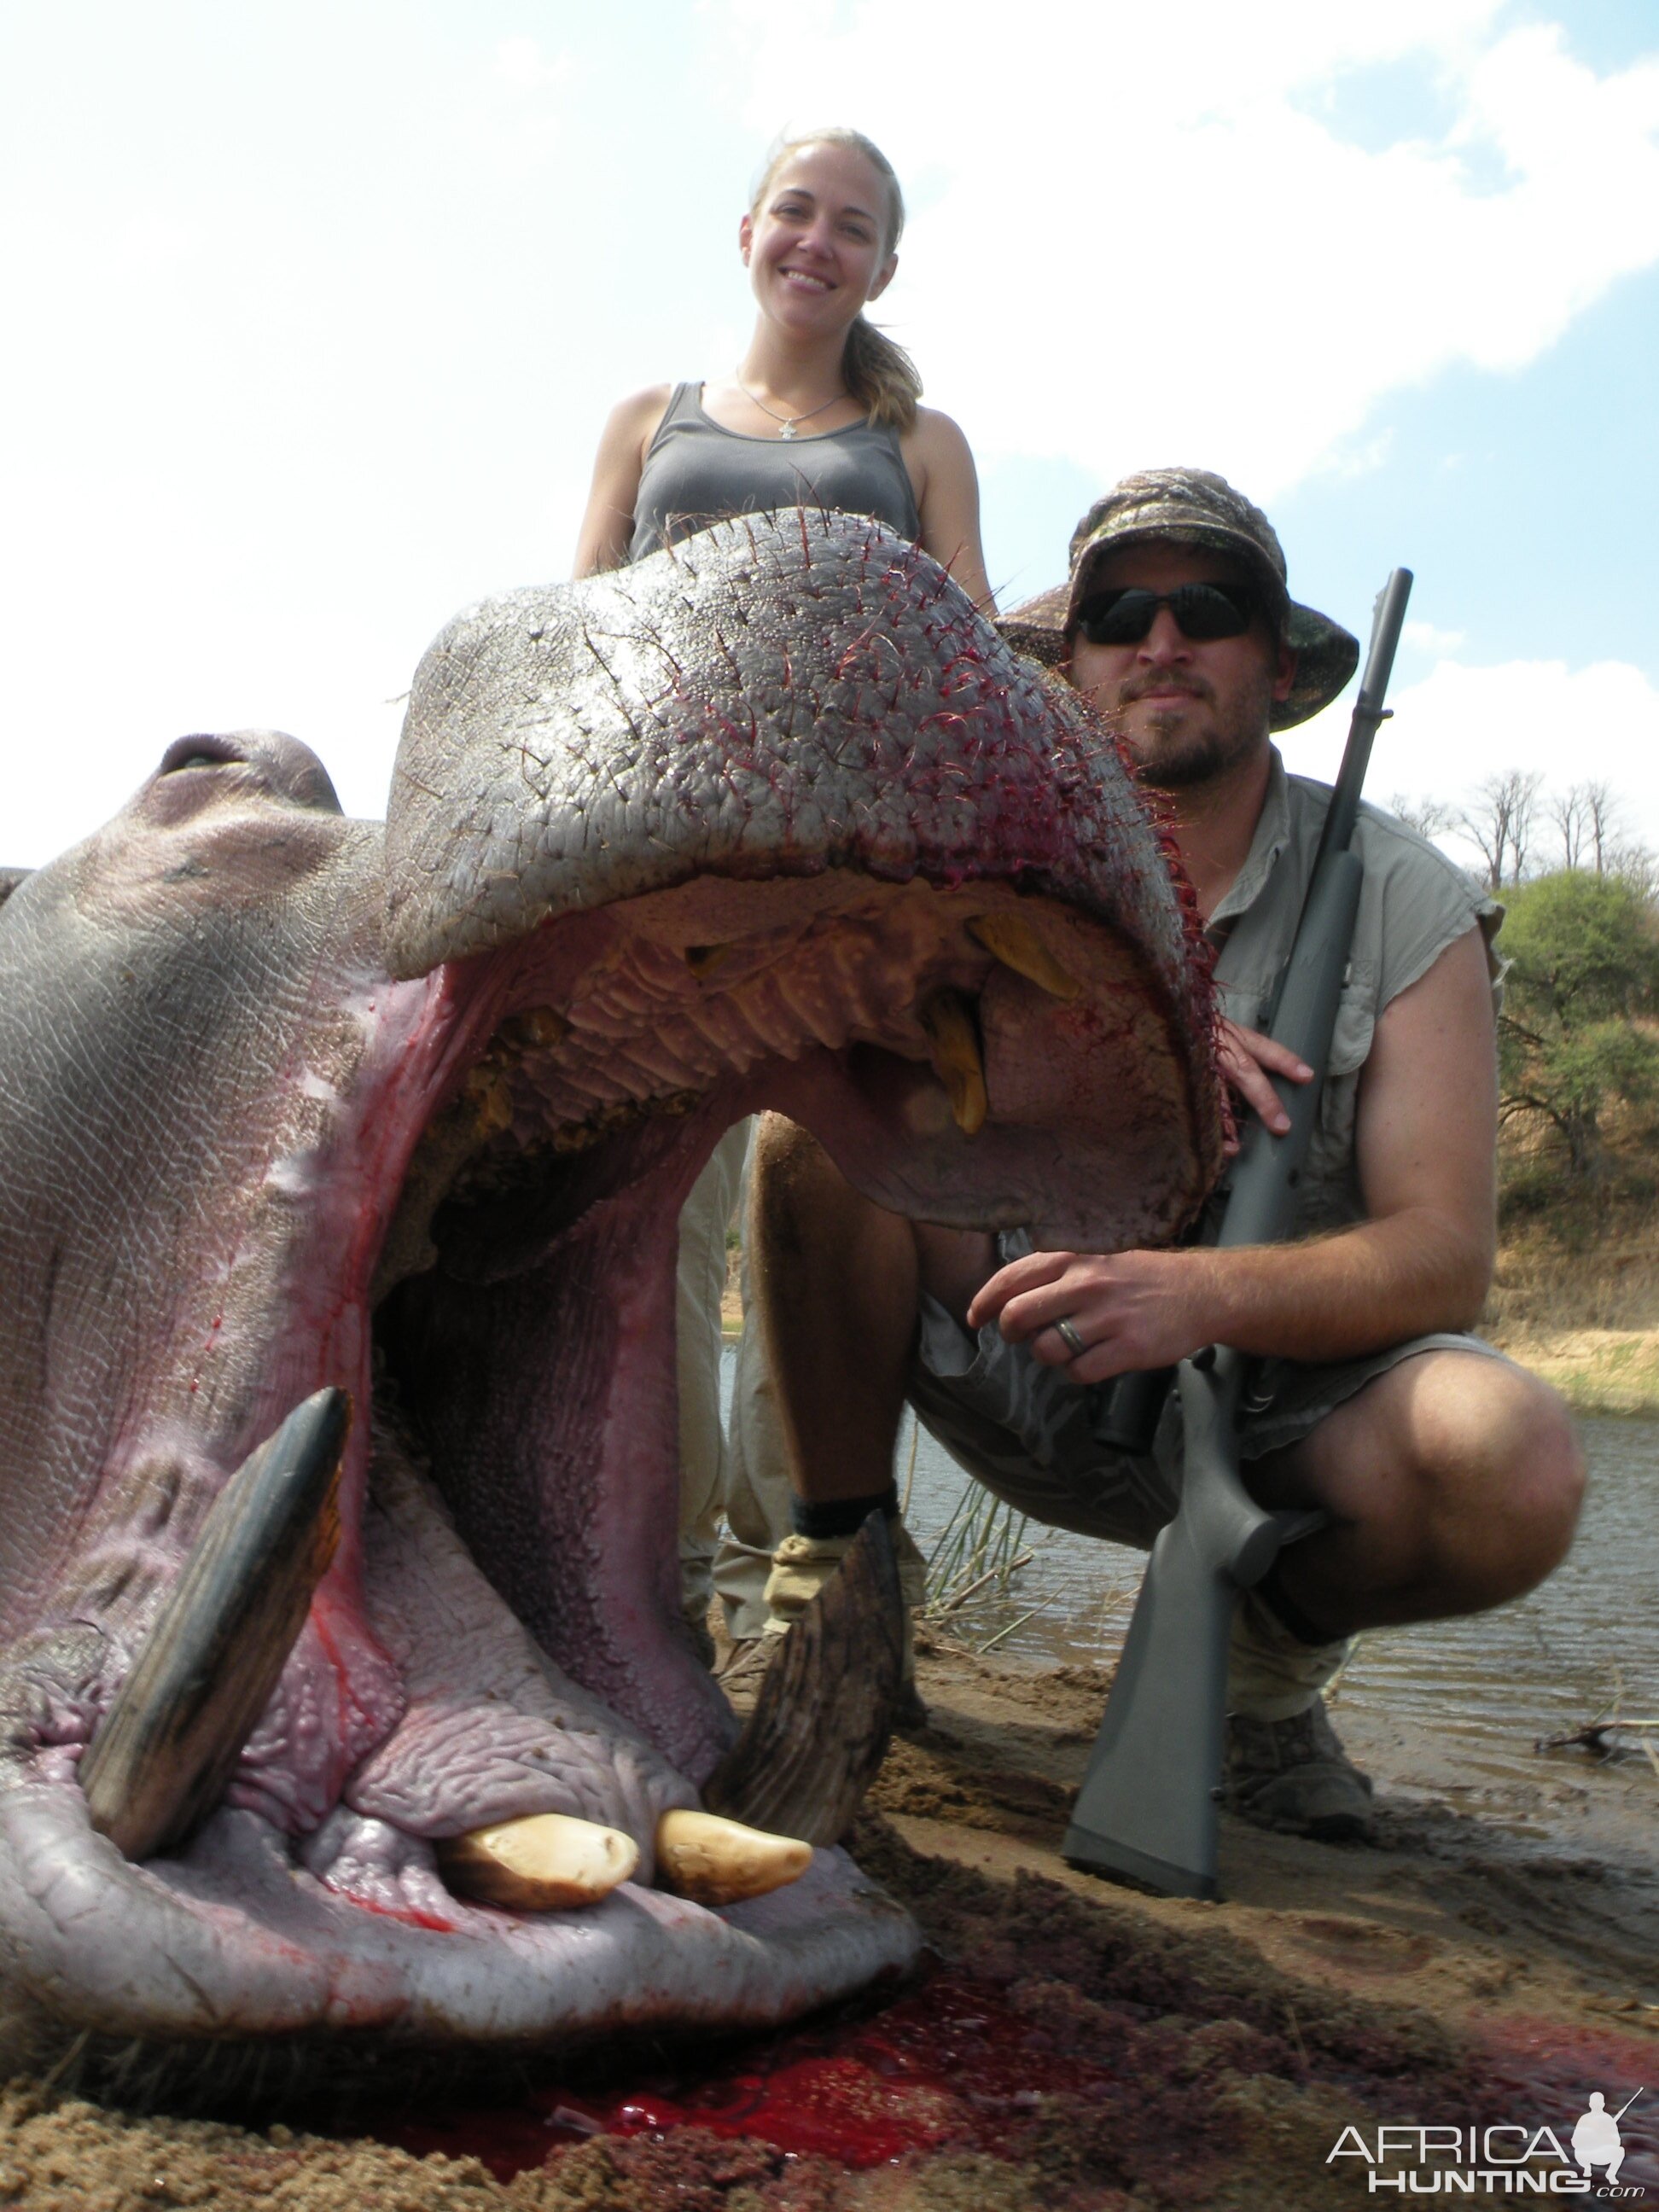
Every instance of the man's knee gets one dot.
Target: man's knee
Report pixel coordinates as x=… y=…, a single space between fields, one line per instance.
x=1498 y=1446
x=822 y=1255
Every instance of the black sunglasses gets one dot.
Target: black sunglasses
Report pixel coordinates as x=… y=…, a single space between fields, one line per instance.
x=1201 y=612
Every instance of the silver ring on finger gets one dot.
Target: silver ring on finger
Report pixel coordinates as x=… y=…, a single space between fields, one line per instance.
x=1068 y=1336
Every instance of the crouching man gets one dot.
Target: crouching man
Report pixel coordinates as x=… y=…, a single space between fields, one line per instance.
x=1449 y=1477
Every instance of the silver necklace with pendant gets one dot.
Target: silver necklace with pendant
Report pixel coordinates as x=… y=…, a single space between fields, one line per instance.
x=787 y=421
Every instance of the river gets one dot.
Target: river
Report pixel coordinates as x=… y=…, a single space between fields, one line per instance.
x=1487 y=1688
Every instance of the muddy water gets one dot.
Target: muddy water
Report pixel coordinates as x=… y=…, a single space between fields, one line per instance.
x=1487 y=1688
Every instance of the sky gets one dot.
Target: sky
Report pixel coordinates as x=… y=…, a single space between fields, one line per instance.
x=315 y=311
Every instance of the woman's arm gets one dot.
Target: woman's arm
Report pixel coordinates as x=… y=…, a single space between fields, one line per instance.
x=947 y=497
x=607 y=528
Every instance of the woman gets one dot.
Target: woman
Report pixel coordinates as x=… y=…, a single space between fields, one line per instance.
x=822 y=406
x=823 y=409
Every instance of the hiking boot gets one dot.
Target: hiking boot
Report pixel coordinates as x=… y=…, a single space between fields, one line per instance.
x=1294 y=1776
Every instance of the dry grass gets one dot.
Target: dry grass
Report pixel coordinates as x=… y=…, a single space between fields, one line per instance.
x=1575 y=1297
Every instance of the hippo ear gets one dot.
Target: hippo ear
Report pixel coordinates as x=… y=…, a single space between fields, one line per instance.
x=9 y=880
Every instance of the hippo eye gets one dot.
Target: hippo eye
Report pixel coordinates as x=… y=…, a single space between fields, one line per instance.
x=196 y=760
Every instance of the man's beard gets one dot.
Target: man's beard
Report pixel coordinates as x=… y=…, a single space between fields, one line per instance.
x=1172 y=755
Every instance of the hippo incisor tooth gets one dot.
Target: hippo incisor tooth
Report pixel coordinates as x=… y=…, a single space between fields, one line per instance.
x=716 y=1862
x=545 y=1862
x=819 y=1730
x=949 y=1021
x=1013 y=941
x=164 y=1751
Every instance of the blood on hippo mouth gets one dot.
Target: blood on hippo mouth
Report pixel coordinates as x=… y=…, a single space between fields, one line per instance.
x=502 y=1638
x=451 y=1087
x=942 y=1041
x=943 y=1044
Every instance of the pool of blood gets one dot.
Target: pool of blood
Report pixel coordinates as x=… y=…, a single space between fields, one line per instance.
x=1549 y=2070
x=948 y=2062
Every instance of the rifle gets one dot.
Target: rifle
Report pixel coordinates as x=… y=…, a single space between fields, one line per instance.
x=1148 y=1807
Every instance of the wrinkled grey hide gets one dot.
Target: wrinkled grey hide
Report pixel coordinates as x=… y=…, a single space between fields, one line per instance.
x=289 y=1102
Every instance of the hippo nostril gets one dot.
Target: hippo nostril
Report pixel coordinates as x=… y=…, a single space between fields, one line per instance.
x=198 y=751
x=164 y=1750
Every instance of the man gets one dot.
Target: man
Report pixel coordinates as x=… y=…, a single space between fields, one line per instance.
x=1450 y=1478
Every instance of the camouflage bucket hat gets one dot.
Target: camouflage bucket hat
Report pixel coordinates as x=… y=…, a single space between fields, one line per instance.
x=1194 y=507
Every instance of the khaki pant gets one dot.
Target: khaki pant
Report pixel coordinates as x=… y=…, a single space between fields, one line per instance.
x=740 y=1481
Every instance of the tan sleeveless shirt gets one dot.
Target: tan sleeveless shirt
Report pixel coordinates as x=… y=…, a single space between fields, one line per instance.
x=1412 y=904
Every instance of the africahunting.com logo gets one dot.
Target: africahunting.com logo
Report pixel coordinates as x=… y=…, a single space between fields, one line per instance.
x=1507 y=2159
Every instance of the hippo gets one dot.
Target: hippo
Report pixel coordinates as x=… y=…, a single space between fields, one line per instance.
x=346 y=1159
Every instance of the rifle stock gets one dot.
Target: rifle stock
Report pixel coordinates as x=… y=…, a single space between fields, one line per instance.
x=1147 y=1810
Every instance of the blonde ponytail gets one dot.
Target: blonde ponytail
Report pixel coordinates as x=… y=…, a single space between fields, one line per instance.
x=880 y=374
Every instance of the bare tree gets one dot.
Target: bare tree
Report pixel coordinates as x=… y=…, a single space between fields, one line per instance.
x=1428 y=816
x=1635 y=864
x=1568 y=811
x=1499 y=823
x=1604 y=822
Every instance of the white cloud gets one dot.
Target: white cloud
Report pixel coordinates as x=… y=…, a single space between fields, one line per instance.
x=1423 y=637
x=1462 y=723
x=1166 y=250
x=312 y=354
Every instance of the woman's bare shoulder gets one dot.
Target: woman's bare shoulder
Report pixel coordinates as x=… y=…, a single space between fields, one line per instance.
x=639 y=413
x=936 y=434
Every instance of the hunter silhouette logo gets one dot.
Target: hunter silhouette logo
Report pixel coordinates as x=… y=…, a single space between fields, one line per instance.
x=1596 y=2140
x=1507 y=2159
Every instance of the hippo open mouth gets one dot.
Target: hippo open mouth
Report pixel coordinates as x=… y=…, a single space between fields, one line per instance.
x=285 y=1106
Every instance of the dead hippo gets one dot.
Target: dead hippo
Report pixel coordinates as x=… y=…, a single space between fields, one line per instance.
x=291 y=1104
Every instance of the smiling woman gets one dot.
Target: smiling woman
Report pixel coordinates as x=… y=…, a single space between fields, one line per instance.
x=820 y=242
x=820 y=412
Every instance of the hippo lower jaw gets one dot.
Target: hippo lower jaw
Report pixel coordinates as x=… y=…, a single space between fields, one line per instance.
x=500 y=1635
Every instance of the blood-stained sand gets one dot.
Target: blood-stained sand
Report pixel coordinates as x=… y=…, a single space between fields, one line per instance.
x=1487 y=1963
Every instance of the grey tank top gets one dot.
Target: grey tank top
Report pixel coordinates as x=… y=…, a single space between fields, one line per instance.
x=696 y=472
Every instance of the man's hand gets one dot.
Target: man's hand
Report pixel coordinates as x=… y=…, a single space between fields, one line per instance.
x=1420 y=1260
x=1248 y=1060
x=1134 y=1309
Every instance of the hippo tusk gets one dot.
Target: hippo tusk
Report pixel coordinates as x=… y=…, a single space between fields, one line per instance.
x=1013 y=941
x=165 y=1749
x=546 y=1863
x=819 y=1730
x=717 y=1862
x=949 y=1022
